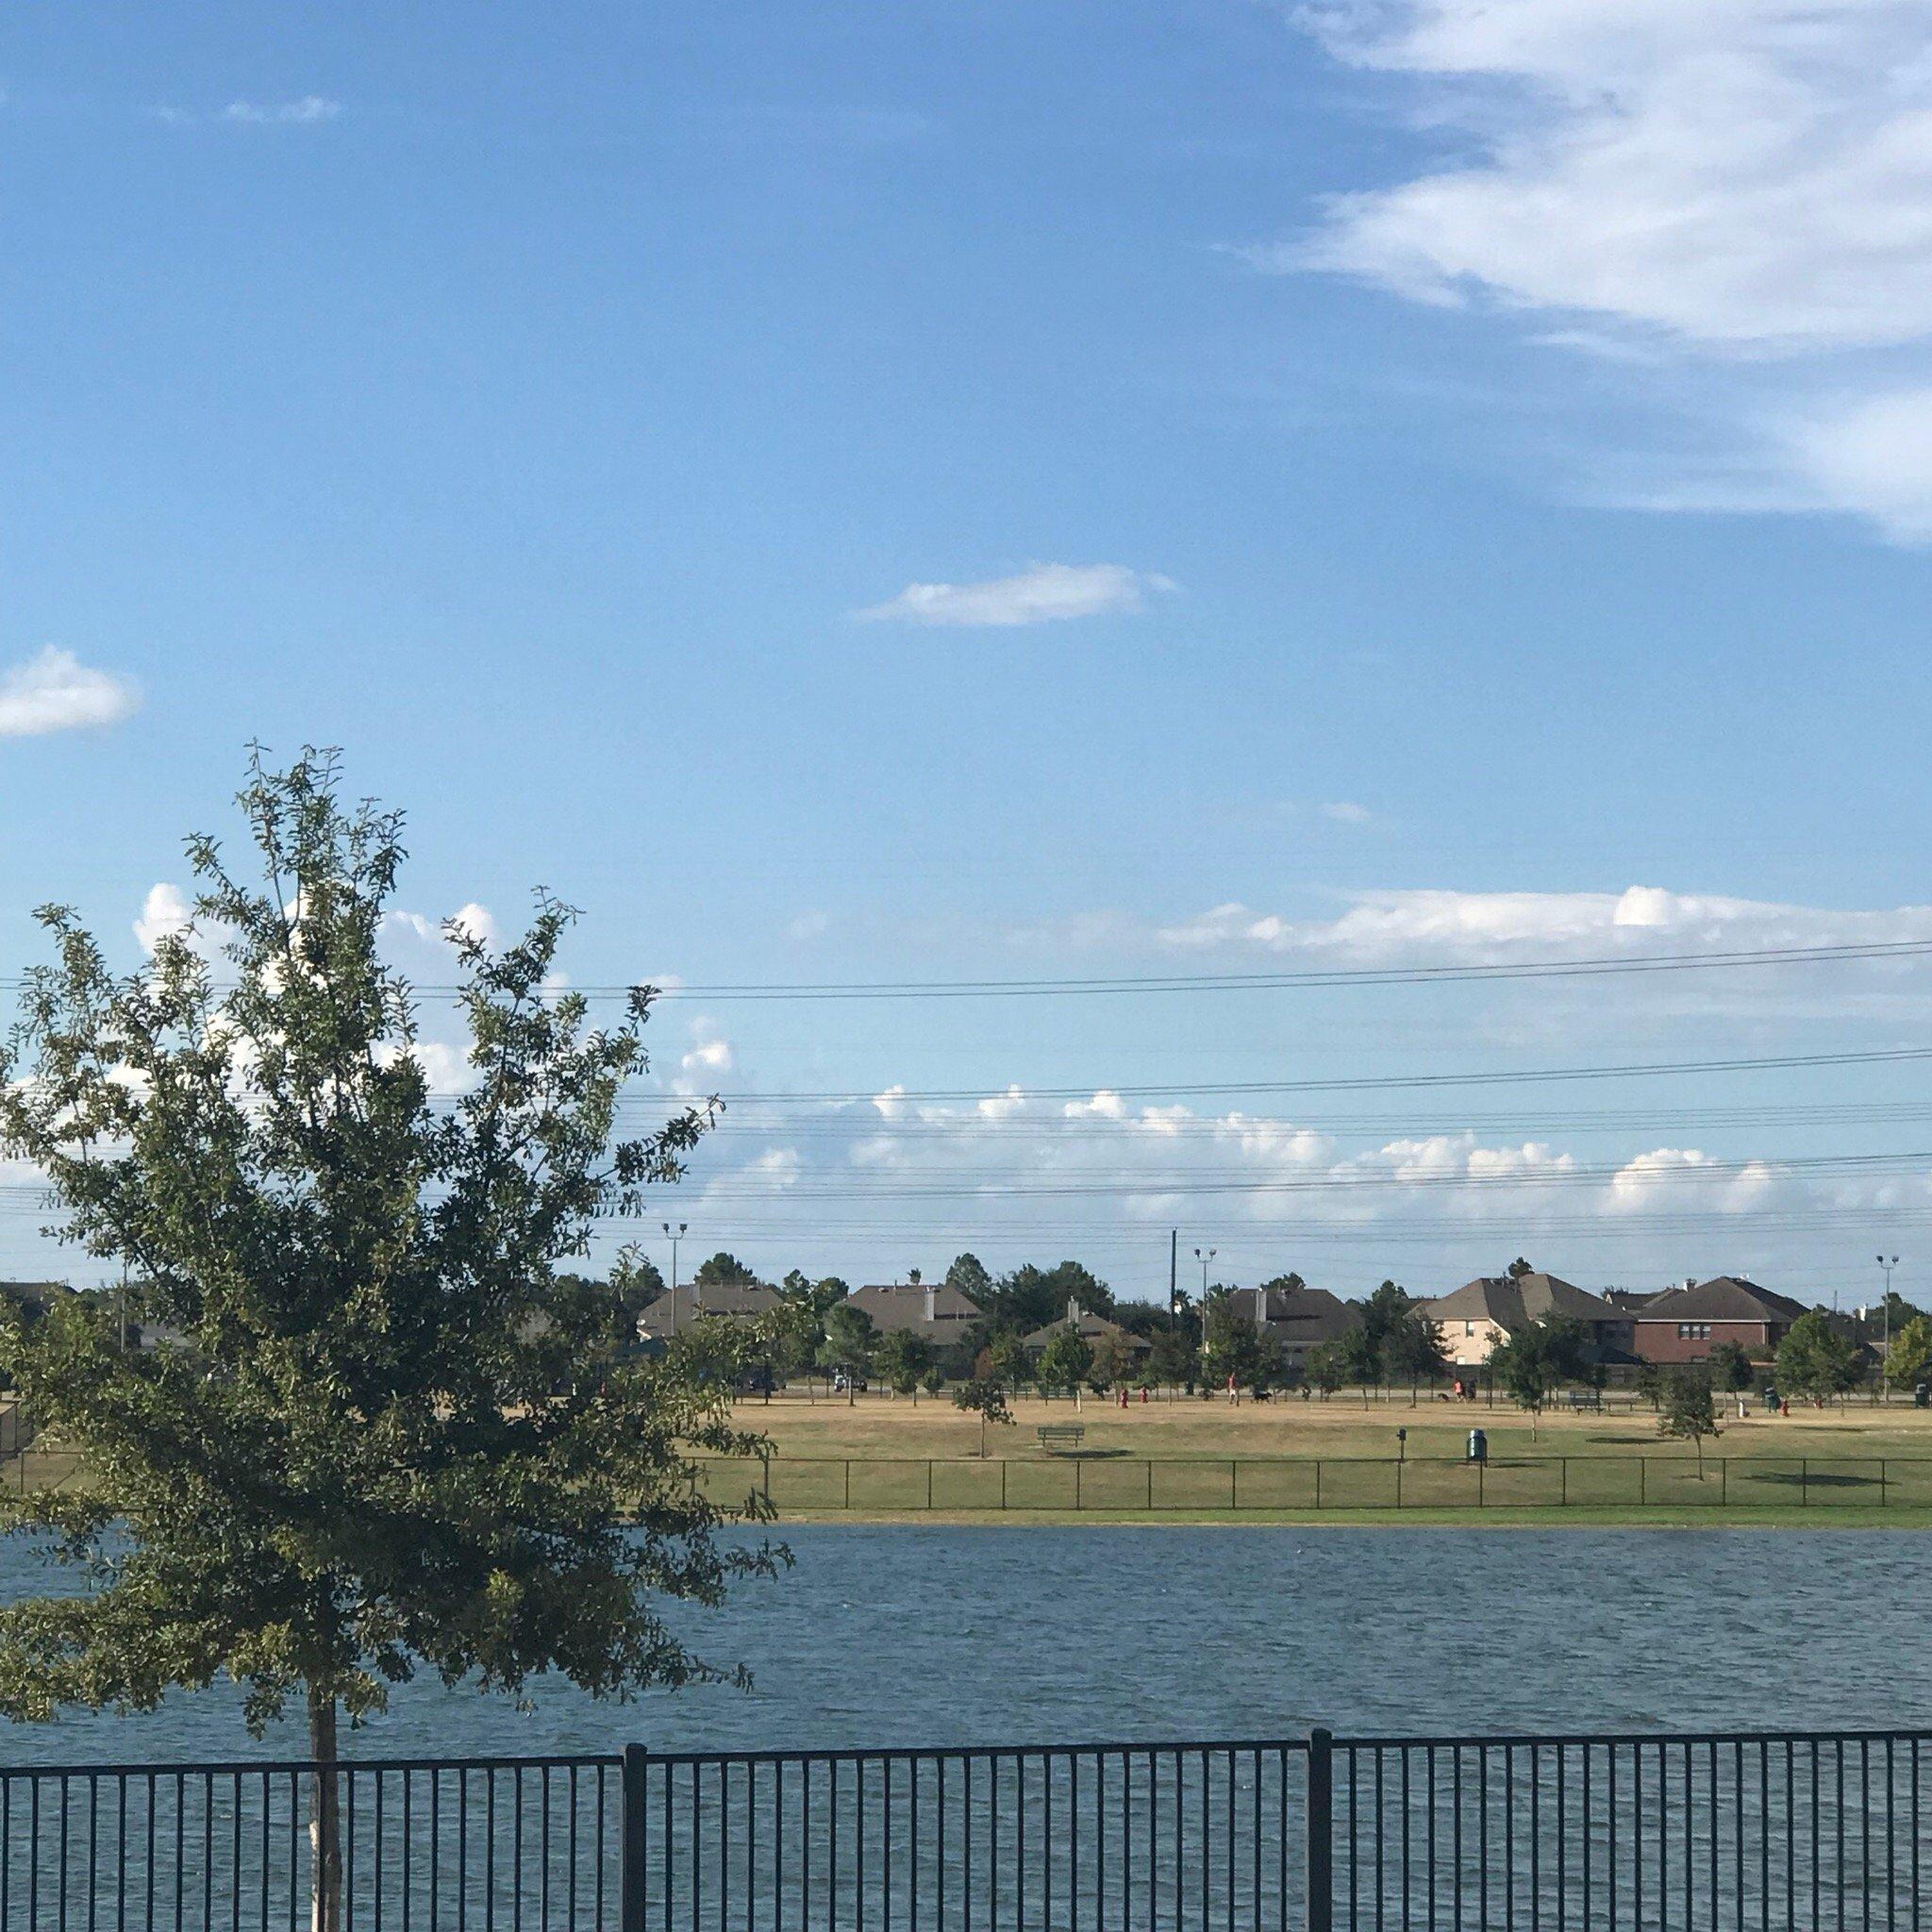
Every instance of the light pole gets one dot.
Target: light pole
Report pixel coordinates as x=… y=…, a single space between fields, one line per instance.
x=1888 y=1263
x=1203 y=1255
x=677 y=1235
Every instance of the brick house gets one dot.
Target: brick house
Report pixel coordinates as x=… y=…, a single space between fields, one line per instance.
x=1685 y=1324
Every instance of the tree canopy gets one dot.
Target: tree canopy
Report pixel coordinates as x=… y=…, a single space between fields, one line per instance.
x=1815 y=1360
x=396 y=1434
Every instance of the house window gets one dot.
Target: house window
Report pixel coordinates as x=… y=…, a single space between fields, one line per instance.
x=1469 y=1327
x=1694 y=1331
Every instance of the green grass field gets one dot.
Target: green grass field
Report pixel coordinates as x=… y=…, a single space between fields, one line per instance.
x=885 y=1458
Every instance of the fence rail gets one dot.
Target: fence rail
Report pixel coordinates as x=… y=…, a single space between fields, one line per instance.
x=1155 y=1485
x=1731 y=1832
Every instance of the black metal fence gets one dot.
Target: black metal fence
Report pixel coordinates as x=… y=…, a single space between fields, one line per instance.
x=531 y=1842
x=1100 y=1483
x=1715 y=1833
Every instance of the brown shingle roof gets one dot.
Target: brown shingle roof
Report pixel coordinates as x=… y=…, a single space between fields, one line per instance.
x=897 y=1306
x=742 y=1299
x=1301 y=1317
x=1724 y=1298
x=1513 y=1302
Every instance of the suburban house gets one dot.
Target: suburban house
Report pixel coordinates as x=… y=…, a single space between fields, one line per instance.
x=675 y=1310
x=1091 y=1329
x=1492 y=1308
x=1682 y=1324
x=931 y=1310
x=1295 y=1318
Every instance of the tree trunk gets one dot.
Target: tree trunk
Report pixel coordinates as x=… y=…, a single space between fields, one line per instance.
x=325 y=1817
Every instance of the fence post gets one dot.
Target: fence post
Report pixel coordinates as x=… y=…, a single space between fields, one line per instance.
x=1804 y=1481
x=1318 y=1482
x=1564 y=1492
x=1150 y=1485
x=634 y=1758
x=848 y=1482
x=1003 y=1482
x=928 y=1482
x=1321 y=1831
x=1076 y=1486
x=1234 y=1484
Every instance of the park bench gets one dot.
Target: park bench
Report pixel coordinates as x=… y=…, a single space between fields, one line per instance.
x=1054 y=1436
x=1586 y=1398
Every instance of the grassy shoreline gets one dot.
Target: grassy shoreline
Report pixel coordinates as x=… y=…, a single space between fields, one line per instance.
x=1834 y=1516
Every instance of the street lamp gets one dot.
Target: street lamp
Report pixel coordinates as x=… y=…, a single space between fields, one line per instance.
x=1888 y=1263
x=677 y=1235
x=1203 y=1255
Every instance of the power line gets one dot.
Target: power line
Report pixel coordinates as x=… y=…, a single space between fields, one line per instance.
x=1286 y=979
x=1365 y=1083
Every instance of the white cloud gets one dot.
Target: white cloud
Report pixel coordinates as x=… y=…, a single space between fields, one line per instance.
x=1391 y=927
x=1042 y=594
x=1684 y=184
x=163 y=912
x=1344 y=812
x=55 y=691
x=809 y=925
x=712 y=1056
x=305 y=112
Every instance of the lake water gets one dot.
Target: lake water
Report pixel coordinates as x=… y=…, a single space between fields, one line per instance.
x=949 y=1635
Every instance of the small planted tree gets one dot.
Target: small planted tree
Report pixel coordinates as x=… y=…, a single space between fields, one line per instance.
x=850 y=1339
x=1910 y=1355
x=1730 y=1367
x=987 y=1400
x=1815 y=1360
x=1327 y=1367
x=1414 y=1350
x=1064 y=1361
x=393 y=1436
x=1536 y=1361
x=1686 y=1409
x=1173 y=1360
x=902 y=1357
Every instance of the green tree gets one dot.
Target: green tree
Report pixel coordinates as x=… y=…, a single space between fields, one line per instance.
x=902 y=1357
x=1361 y=1360
x=723 y=1271
x=1030 y=1297
x=1519 y=1268
x=1007 y=1361
x=850 y=1339
x=1730 y=1367
x=1383 y=1313
x=637 y=1281
x=1232 y=1345
x=1325 y=1367
x=1172 y=1358
x=1112 y=1364
x=1414 y=1350
x=987 y=1400
x=967 y=1276
x=1688 y=1409
x=934 y=1380
x=375 y=1449
x=1814 y=1360
x=1537 y=1361
x=1911 y=1350
x=1064 y=1361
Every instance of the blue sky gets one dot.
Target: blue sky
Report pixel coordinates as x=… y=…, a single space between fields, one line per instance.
x=846 y=493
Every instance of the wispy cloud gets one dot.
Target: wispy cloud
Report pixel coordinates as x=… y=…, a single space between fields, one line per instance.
x=1042 y=594
x=1738 y=191
x=1346 y=811
x=55 y=691
x=1381 y=927
x=305 y=112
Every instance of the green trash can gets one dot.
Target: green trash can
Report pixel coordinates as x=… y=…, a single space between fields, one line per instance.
x=1479 y=1445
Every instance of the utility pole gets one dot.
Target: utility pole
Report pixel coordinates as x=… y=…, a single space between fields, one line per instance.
x=1884 y=1377
x=1173 y=1292
x=677 y=1235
